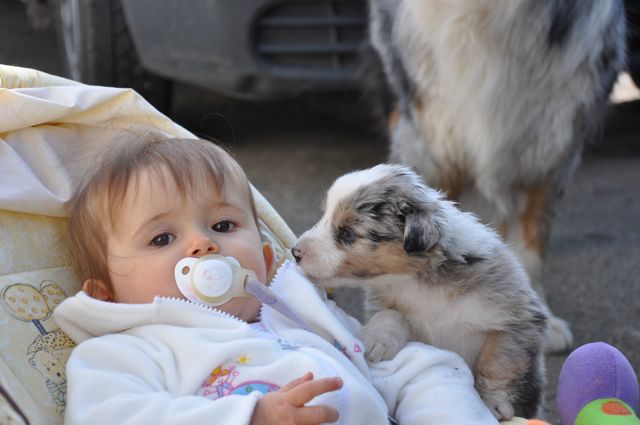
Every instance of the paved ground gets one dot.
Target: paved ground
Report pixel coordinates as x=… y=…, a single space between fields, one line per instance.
x=292 y=152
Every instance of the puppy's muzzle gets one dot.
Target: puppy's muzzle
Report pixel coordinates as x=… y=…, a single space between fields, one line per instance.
x=297 y=254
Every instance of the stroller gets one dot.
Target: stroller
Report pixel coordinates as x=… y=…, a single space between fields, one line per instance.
x=50 y=128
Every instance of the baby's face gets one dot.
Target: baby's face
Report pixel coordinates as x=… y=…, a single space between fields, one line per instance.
x=157 y=227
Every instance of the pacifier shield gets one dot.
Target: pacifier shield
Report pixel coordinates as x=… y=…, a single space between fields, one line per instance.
x=212 y=278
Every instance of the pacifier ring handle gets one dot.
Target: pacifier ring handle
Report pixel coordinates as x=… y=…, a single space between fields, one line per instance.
x=266 y=296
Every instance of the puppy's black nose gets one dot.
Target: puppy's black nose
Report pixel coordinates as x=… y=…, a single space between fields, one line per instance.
x=297 y=254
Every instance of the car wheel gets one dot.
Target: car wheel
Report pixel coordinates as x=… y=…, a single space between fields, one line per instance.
x=632 y=10
x=96 y=48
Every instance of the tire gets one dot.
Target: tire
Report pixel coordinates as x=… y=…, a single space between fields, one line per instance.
x=632 y=9
x=96 y=48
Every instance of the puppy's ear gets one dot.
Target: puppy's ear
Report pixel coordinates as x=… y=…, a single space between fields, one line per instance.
x=420 y=228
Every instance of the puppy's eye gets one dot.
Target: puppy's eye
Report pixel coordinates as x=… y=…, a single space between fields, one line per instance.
x=345 y=236
x=373 y=209
x=380 y=207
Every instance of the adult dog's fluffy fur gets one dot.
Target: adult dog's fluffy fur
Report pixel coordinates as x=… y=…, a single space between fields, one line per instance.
x=493 y=101
x=434 y=274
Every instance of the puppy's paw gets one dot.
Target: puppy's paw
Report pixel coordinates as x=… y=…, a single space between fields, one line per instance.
x=380 y=346
x=384 y=335
x=560 y=338
x=499 y=404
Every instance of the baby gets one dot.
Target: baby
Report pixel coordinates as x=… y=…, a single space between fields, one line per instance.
x=148 y=355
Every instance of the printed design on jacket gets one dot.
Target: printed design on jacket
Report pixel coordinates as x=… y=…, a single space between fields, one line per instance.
x=222 y=382
x=356 y=349
x=49 y=351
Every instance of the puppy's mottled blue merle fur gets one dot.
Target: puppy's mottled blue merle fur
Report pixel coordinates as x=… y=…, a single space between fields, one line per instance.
x=435 y=274
x=494 y=100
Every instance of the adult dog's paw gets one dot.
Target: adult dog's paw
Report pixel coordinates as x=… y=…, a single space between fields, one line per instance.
x=384 y=335
x=560 y=338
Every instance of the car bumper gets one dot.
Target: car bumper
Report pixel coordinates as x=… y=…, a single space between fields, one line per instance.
x=259 y=49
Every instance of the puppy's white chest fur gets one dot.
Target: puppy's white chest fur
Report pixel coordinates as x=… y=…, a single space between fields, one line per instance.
x=456 y=323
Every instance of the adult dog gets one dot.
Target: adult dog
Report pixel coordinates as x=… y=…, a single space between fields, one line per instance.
x=493 y=101
x=434 y=274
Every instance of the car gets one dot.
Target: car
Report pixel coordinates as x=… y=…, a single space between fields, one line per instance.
x=249 y=49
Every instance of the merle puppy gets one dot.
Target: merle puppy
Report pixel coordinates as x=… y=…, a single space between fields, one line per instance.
x=431 y=273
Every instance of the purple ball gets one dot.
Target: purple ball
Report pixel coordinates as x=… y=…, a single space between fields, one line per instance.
x=591 y=372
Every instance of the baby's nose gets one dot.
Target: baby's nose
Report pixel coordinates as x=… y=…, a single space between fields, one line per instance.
x=202 y=246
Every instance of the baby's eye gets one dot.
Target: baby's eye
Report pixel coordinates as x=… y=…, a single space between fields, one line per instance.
x=224 y=226
x=162 y=239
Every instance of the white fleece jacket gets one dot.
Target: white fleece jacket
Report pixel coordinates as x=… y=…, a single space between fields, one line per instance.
x=175 y=362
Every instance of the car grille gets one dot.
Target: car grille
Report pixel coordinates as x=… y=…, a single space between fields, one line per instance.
x=320 y=37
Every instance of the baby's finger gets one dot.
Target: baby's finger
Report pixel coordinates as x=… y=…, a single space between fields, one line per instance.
x=307 y=391
x=313 y=415
x=292 y=384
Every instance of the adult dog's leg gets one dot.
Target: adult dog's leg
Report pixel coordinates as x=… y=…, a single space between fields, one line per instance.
x=527 y=230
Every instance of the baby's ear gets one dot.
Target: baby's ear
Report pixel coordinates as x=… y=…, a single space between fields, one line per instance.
x=97 y=289
x=267 y=251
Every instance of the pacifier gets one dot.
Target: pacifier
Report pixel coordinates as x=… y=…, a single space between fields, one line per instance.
x=212 y=279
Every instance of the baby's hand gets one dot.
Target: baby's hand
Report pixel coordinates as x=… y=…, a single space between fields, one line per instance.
x=287 y=405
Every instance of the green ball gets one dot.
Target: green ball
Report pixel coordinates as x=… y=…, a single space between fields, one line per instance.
x=607 y=411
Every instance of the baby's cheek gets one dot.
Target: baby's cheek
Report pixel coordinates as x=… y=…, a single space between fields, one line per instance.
x=251 y=257
x=121 y=266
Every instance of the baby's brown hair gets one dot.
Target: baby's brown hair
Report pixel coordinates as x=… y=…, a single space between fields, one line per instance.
x=96 y=205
